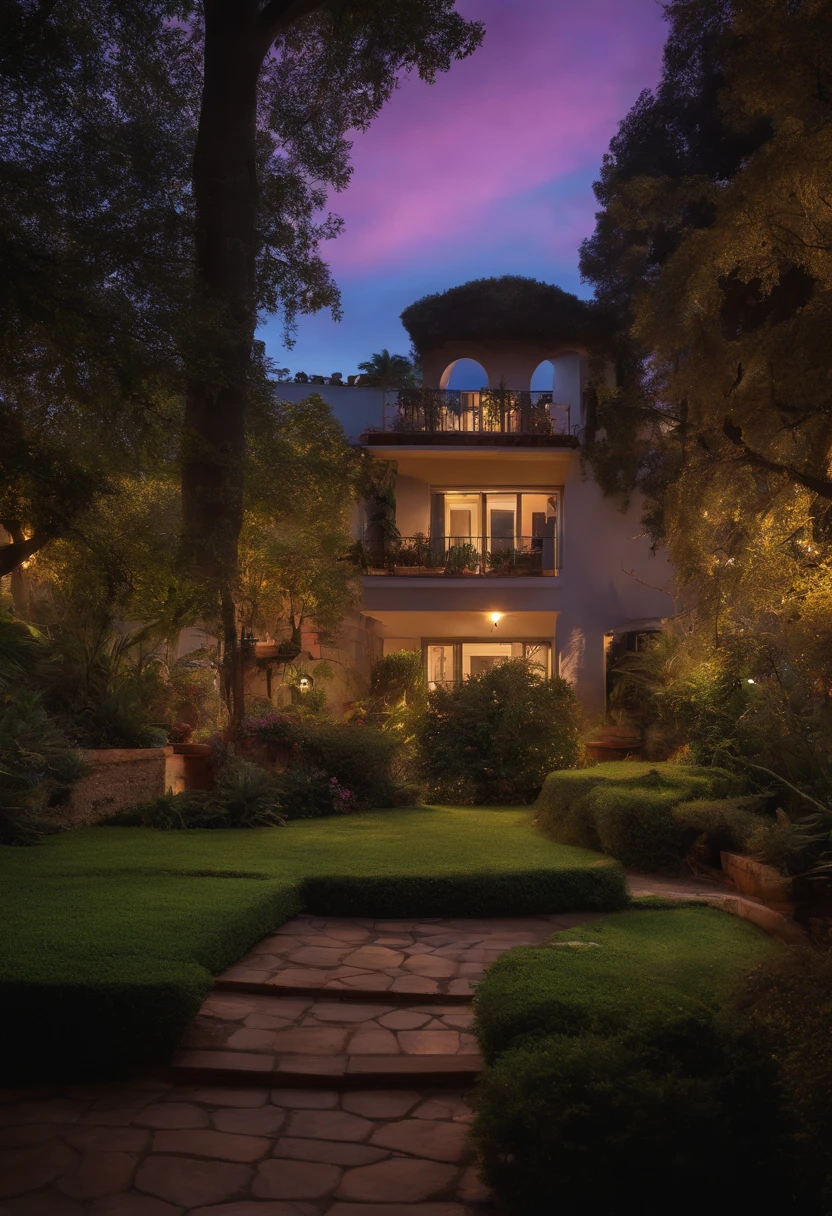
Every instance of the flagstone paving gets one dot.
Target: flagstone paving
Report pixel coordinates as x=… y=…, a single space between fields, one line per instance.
x=156 y=1149
x=371 y=997
x=418 y=957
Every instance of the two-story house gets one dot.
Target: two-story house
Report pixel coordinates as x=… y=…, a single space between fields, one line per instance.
x=506 y=547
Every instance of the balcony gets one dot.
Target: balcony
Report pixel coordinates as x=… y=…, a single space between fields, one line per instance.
x=478 y=556
x=487 y=416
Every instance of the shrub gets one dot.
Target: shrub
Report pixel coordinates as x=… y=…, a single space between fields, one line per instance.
x=611 y=1059
x=637 y=826
x=37 y=767
x=398 y=678
x=360 y=757
x=595 y=888
x=590 y=1119
x=244 y=796
x=629 y=809
x=274 y=732
x=788 y=1001
x=494 y=738
x=309 y=794
x=709 y=825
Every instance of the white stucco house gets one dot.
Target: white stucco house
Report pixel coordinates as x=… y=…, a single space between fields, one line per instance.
x=507 y=547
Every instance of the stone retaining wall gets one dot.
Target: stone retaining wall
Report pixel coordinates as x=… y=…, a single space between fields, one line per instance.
x=119 y=778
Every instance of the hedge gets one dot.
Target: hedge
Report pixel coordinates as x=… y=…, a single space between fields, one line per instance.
x=635 y=811
x=111 y=935
x=613 y=1070
x=597 y=888
x=105 y=1003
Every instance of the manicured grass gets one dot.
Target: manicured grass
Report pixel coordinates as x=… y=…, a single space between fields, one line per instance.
x=111 y=935
x=678 y=958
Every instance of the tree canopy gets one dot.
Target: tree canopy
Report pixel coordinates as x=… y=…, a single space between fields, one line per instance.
x=713 y=249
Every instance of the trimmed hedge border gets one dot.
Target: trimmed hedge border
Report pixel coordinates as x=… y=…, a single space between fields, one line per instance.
x=601 y=887
x=635 y=811
x=92 y=1015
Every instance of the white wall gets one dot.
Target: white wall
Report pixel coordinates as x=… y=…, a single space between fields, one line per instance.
x=357 y=409
x=608 y=582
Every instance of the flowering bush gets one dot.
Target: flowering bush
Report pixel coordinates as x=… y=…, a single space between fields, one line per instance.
x=181 y=733
x=274 y=732
x=307 y=793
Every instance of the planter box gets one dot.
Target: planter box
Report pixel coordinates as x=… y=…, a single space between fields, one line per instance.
x=756 y=878
x=117 y=778
x=614 y=743
x=189 y=768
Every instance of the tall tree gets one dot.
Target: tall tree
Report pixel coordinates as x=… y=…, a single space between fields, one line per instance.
x=284 y=81
x=97 y=116
x=165 y=169
x=719 y=275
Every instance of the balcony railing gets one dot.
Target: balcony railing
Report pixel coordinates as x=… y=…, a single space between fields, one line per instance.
x=487 y=556
x=487 y=411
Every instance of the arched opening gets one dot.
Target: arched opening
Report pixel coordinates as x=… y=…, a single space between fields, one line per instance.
x=556 y=388
x=543 y=377
x=461 y=384
x=466 y=375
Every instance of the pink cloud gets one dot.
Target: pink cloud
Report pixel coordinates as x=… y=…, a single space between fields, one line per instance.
x=536 y=104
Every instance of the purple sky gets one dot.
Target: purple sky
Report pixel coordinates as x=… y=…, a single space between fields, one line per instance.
x=487 y=172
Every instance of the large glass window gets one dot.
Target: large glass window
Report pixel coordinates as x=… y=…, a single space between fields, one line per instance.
x=449 y=663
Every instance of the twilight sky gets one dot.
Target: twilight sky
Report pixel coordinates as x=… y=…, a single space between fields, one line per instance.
x=487 y=172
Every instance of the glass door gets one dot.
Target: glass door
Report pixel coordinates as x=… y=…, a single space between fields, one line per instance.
x=501 y=528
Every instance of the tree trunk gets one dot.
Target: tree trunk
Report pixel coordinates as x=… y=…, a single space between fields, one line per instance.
x=225 y=197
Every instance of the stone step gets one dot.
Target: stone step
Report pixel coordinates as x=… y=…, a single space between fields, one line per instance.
x=260 y=1034
x=240 y=1068
x=363 y=996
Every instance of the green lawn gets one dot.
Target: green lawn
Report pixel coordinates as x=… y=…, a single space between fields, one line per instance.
x=110 y=935
x=639 y=961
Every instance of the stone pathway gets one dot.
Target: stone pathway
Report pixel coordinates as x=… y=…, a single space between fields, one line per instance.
x=354 y=1001
x=417 y=957
x=157 y=1149
x=371 y=1018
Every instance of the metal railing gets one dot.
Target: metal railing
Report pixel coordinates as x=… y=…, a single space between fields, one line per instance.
x=489 y=556
x=497 y=411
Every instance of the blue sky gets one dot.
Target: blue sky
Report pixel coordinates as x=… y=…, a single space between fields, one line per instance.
x=487 y=172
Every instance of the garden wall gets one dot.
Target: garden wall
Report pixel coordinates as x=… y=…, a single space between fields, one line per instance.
x=119 y=778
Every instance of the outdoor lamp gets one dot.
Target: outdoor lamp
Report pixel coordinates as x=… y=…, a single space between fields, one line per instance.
x=305 y=683
x=496 y=617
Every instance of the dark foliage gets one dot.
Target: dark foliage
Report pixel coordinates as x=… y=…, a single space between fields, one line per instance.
x=613 y=1059
x=788 y=1001
x=244 y=796
x=510 y=308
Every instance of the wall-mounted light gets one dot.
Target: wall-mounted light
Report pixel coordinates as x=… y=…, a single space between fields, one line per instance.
x=305 y=683
x=496 y=617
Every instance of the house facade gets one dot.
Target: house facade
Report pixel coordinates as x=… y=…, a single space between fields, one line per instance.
x=502 y=545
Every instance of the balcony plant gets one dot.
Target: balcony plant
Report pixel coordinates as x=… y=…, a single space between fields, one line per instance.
x=462 y=559
x=513 y=561
x=413 y=551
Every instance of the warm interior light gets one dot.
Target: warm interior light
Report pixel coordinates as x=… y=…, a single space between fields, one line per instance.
x=496 y=617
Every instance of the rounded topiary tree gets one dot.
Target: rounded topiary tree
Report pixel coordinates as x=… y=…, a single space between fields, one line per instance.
x=494 y=738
